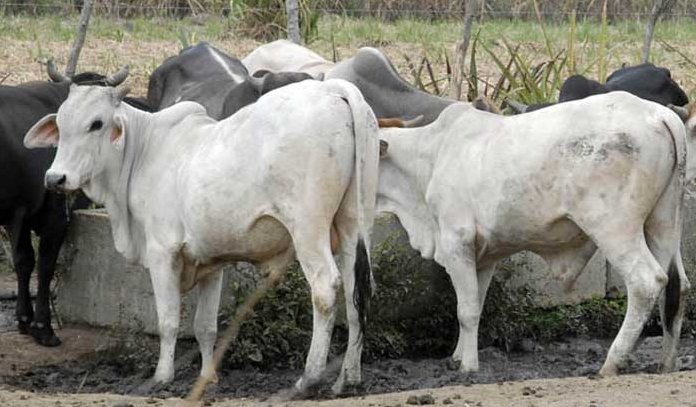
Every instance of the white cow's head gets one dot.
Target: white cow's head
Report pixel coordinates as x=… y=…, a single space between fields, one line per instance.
x=87 y=124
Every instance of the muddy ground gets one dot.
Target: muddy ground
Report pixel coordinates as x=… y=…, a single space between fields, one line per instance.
x=98 y=361
x=109 y=362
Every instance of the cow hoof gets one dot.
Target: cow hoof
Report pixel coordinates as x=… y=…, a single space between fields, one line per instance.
x=304 y=388
x=453 y=364
x=24 y=328
x=608 y=371
x=43 y=335
x=210 y=378
x=347 y=389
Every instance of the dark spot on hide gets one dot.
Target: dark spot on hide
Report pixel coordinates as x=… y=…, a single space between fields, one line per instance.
x=580 y=148
x=622 y=145
x=587 y=146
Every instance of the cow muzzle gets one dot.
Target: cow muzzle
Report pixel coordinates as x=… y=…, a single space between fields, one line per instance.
x=54 y=181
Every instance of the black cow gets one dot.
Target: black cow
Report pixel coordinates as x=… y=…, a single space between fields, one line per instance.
x=646 y=81
x=204 y=74
x=387 y=93
x=25 y=205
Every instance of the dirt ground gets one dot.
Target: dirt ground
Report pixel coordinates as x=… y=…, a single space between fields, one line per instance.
x=93 y=367
x=676 y=389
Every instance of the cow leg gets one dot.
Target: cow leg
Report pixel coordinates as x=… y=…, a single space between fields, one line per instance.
x=165 y=273
x=672 y=308
x=23 y=260
x=663 y=235
x=314 y=253
x=205 y=321
x=456 y=253
x=347 y=229
x=645 y=279
x=484 y=277
x=49 y=248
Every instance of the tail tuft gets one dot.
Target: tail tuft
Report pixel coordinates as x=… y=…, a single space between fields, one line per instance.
x=363 y=283
x=672 y=295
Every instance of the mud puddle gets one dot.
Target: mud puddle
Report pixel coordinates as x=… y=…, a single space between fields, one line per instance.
x=122 y=370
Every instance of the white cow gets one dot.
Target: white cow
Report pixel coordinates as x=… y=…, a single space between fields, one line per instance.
x=186 y=194
x=606 y=172
x=286 y=56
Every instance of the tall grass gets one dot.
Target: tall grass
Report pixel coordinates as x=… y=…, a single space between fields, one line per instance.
x=386 y=10
x=581 y=45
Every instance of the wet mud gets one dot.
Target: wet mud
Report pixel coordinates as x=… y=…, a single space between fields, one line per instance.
x=123 y=370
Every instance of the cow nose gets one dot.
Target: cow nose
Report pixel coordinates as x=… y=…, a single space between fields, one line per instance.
x=54 y=181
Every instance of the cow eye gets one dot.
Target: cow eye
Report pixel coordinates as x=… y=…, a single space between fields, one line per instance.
x=96 y=125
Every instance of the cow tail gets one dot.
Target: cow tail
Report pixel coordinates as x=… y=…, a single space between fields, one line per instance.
x=672 y=295
x=673 y=290
x=365 y=132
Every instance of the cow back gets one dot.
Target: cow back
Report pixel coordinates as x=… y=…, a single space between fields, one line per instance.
x=195 y=65
x=387 y=93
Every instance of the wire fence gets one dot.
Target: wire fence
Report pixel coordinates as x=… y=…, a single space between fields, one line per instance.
x=555 y=10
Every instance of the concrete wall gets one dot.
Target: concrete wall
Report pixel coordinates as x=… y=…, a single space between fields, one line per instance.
x=99 y=288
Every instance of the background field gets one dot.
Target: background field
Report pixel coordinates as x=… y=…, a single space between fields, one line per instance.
x=143 y=42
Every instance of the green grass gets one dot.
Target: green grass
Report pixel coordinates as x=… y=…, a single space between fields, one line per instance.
x=59 y=28
x=349 y=30
x=414 y=38
x=345 y=30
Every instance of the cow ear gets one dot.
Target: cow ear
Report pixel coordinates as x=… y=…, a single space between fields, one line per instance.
x=117 y=137
x=43 y=134
x=681 y=111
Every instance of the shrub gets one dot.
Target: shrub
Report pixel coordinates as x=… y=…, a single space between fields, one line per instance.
x=266 y=20
x=413 y=314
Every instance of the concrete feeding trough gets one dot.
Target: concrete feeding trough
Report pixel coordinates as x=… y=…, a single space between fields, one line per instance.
x=98 y=287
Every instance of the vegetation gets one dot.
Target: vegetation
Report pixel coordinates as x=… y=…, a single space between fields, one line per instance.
x=413 y=315
x=384 y=9
x=539 y=56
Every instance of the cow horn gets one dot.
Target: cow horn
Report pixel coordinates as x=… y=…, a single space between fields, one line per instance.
x=517 y=107
x=118 y=78
x=387 y=122
x=681 y=111
x=415 y=122
x=122 y=92
x=54 y=74
x=261 y=73
x=258 y=83
x=484 y=104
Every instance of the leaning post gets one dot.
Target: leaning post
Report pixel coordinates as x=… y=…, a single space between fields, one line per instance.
x=659 y=7
x=82 y=25
x=293 y=13
x=471 y=7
